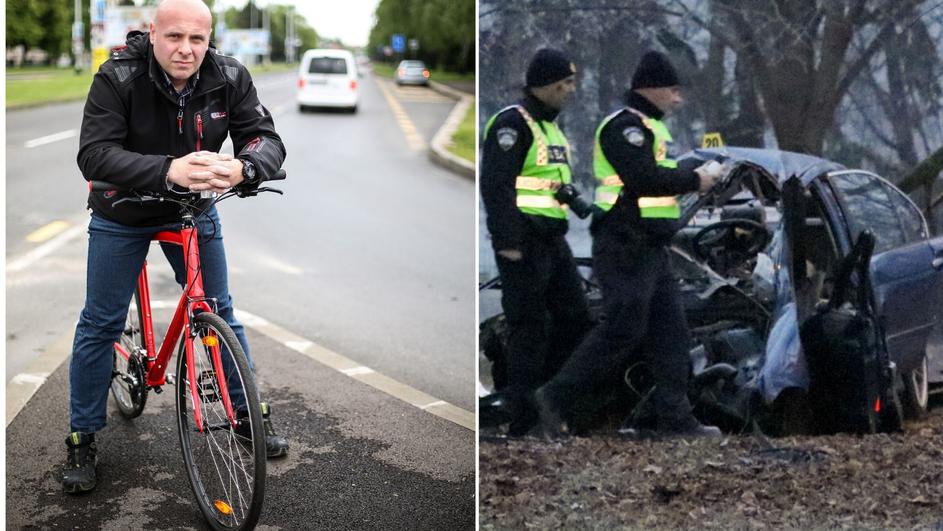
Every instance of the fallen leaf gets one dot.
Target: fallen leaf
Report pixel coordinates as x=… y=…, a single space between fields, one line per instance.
x=921 y=500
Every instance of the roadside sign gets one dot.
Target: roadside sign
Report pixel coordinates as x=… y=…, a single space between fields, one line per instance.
x=97 y=13
x=398 y=43
x=120 y=20
x=414 y=44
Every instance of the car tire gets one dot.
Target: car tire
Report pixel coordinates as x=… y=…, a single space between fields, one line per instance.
x=302 y=109
x=352 y=110
x=916 y=392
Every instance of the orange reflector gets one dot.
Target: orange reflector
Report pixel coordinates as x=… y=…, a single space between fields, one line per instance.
x=210 y=341
x=223 y=507
x=877 y=405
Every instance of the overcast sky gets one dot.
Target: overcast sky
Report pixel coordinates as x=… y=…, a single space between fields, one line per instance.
x=348 y=20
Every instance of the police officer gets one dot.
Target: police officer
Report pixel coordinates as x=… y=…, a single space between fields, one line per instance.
x=637 y=182
x=525 y=160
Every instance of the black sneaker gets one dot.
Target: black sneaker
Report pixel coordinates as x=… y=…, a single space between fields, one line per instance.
x=275 y=445
x=78 y=475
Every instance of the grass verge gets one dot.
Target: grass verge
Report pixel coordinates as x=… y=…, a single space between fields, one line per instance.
x=463 y=141
x=30 y=87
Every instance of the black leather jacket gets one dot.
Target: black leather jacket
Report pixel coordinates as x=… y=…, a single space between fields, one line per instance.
x=133 y=127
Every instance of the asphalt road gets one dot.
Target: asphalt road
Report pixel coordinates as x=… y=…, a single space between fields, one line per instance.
x=369 y=254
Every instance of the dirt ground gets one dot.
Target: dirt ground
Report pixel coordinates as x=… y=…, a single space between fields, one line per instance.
x=739 y=482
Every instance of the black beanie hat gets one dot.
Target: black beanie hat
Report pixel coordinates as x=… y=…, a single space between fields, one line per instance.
x=548 y=66
x=654 y=71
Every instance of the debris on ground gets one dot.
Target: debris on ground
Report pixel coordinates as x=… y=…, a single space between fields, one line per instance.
x=738 y=482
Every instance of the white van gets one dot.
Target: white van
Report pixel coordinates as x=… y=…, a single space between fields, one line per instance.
x=328 y=78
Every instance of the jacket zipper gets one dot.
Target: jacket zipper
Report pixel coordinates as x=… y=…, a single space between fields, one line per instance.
x=199 y=130
x=180 y=121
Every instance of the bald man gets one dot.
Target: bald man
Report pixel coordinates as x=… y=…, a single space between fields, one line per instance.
x=156 y=117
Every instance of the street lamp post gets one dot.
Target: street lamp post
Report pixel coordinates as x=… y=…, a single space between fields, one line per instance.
x=78 y=38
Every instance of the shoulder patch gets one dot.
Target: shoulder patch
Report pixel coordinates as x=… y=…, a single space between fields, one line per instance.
x=507 y=137
x=633 y=135
x=231 y=72
x=123 y=72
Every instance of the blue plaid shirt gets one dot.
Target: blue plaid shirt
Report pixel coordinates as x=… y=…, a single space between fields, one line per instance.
x=183 y=95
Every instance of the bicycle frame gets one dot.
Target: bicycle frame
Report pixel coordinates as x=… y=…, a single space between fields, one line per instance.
x=192 y=301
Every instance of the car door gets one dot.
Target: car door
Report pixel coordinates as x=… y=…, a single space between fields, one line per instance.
x=905 y=277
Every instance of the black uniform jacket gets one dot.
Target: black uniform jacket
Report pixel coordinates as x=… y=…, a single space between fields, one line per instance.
x=500 y=166
x=641 y=176
x=133 y=127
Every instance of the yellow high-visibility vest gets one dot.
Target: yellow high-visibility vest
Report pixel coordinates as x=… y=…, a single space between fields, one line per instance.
x=542 y=168
x=609 y=185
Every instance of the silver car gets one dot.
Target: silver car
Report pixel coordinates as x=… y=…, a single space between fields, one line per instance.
x=412 y=73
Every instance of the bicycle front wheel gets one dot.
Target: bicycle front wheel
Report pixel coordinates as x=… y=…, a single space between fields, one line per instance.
x=225 y=463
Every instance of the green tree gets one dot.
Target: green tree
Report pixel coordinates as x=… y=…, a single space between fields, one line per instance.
x=23 y=26
x=445 y=31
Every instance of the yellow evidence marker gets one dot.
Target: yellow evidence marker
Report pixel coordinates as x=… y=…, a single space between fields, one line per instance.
x=712 y=140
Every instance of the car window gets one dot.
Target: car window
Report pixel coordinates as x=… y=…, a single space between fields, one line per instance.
x=911 y=220
x=867 y=205
x=327 y=65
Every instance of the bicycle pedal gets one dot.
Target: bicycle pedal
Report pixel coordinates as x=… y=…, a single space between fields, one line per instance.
x=207 y=387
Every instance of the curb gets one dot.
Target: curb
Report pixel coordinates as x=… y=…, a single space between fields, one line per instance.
x=438 y=153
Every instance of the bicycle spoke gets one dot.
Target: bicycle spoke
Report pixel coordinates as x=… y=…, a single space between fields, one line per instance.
x=226 y=468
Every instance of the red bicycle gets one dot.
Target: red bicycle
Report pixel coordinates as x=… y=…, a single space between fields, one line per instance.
x=219 y=416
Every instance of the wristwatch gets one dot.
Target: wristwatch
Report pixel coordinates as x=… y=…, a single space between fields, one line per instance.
x=249 y=175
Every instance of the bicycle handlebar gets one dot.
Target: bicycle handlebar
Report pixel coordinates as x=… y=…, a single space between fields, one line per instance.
x=102 y=186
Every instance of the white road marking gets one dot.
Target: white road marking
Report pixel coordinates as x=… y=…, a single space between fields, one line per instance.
x=22 y=386
x=45 y=249
x=276 y=264
x=49 y=139
x=434 y=404
x=35 y=379
x=357 y=370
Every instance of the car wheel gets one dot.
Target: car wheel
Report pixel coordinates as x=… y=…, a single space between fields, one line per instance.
x=916 y=395
x=302 y=109
x=352 y=110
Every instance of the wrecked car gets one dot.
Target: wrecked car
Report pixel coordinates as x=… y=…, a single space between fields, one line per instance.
x=814 y=295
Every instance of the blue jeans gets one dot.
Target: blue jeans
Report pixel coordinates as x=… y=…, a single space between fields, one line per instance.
x=116 y=254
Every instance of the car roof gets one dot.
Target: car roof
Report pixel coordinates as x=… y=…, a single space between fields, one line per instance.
x=780 y=164
x=328 y=52
x=411 y=62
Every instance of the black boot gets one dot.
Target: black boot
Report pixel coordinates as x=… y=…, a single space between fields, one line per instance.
x=78 y=475
x=551 y=425
x=275 y=445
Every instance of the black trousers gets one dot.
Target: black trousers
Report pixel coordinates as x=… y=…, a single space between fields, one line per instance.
x=547 y=315
x=644 y=317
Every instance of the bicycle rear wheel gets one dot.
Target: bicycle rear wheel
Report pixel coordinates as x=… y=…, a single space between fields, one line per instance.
x=127 y=377
x=225 y=464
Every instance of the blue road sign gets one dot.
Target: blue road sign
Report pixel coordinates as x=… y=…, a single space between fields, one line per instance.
x=398 y=43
